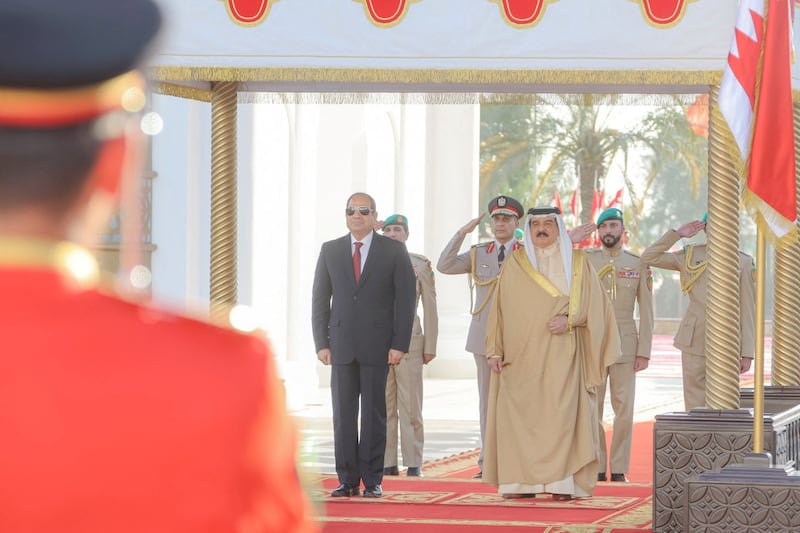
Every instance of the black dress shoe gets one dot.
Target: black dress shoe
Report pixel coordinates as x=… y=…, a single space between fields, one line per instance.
x=479 y=475
x=345 y=490
x=373 y=491
x=601 y=476
x=414 y=471
x=619 y=477
x=391 y=471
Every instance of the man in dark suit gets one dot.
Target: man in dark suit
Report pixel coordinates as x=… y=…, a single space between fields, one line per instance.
x=362 y=314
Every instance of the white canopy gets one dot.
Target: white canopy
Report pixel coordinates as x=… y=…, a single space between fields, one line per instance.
x=317 y=45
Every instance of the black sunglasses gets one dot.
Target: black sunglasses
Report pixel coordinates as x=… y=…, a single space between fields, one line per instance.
x=363 y=211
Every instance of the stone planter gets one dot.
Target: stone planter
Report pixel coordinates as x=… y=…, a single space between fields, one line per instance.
x=687 y=445
x=751 y=497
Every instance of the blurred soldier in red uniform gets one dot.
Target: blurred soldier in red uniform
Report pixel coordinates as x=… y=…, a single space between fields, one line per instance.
x=115 y=417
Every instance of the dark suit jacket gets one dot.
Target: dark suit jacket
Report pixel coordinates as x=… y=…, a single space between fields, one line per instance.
x=363 y=321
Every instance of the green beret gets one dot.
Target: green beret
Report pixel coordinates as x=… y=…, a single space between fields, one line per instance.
x=705 y=218
x=518 y=233
x=612 y=213
x=396 y=220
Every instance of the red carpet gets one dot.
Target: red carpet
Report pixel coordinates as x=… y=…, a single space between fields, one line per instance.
x=430 y=504
x=463 y=465
x=448 y=500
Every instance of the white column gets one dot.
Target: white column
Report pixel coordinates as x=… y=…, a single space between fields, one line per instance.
x=451 y=190
x=180 y=210
x=300 y=369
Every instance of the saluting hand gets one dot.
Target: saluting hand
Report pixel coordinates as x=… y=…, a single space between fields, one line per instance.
x=581 y=233
x=470 y=226
x=395 y=356
x=690 y=229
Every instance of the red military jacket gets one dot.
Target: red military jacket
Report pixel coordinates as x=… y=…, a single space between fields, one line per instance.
x=117 y=418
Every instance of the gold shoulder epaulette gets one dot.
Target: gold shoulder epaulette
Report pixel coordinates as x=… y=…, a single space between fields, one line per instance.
x=630 y=253
x=418 y=256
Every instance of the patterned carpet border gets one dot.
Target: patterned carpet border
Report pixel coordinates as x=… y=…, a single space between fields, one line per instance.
x=614 y=507
x=460 y=463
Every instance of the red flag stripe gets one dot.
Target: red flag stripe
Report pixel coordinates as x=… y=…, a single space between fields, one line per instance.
x=772 y=160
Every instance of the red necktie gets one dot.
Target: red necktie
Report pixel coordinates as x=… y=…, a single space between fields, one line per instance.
x=357 y=260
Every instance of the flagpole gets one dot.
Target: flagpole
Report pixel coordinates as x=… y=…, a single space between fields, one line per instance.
x=758 y=385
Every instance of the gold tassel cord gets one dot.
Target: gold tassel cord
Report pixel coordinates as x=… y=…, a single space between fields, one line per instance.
x=473 y=281
x=695 y=271
x=611 y=270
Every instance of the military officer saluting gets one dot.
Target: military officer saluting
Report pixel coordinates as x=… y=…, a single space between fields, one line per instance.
x=483 y=262
x=690 y=339
x=626 y=280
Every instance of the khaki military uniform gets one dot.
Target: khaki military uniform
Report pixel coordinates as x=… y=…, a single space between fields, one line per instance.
x=482 y=263
x=691 y=336
x=626 y=281
x=404 y=382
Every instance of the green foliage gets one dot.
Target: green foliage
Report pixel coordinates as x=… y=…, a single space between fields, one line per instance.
x=557 y=143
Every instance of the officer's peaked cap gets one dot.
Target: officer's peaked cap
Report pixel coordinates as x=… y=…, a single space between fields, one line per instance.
x=59 y=44
x=505 y=205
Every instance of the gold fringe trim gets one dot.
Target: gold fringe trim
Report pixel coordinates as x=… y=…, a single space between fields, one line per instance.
x=405 y=77
x=761 y=211
x=249 y=96
x=182 y=91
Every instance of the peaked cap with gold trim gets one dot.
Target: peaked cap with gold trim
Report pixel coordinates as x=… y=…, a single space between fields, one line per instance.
x=70 y=62
x=505 y=205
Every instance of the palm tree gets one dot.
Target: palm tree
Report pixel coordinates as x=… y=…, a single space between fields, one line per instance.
x=507 y=145
x=570 y=136
x=584 y=141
